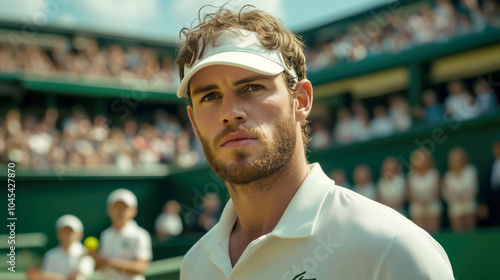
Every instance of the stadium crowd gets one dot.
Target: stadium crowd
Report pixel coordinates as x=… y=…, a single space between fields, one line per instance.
x=395 y=32
x=82 y=141
x=422 y=192
x=354 y=124
x=82 y=57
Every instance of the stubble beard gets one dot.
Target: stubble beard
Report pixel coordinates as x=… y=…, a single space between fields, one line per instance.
x=277 y=153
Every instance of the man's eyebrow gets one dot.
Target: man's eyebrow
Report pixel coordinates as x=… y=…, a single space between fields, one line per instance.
x=253 y=78
x=245 y=80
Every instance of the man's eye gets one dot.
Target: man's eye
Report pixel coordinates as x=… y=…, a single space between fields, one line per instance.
x=210 y=96
x=254 y=87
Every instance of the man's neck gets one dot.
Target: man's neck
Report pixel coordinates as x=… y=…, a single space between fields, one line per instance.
x=261 y=204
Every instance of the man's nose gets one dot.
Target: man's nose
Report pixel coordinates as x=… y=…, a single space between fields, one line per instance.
x=232 y=109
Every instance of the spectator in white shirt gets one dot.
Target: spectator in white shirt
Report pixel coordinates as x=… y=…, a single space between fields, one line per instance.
x=125 y=250
x=459 y=104
x=459 y=191
x=343 y=132
x=423 y=188
x=391 y=187
x=381 y=124
x=169 y=223
x=363 y=183
x=69 y=260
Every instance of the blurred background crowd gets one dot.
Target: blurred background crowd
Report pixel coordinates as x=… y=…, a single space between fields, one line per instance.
x=355 y=123
x=431 y=199
x=80 y=140
x=430 y=23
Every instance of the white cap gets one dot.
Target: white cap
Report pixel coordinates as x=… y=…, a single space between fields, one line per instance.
x=241 y=48
x=69 y=221
x=124 y=196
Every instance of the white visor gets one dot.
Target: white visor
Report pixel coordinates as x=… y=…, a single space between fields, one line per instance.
x=240 y=48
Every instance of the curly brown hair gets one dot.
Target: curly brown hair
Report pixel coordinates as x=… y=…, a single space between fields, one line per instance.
x=271 y=32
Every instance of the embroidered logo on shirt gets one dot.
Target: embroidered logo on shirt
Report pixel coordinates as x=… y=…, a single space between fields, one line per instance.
x=301 y=277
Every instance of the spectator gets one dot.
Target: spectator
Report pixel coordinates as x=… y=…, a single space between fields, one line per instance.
x=125 y=250
x=320 y=137
x=485 y=97
x=433 y=111
x=391 y=187
x=210 y=213
x=169 y=222
x=423 y=187
x=338 y=175
x=492 y=193
x=400 y=113
x=459 y=104
x=343 y=132
x=459 y=191
x=360 y=122
x=363 y=183
x=381 y=124
x=69 y=260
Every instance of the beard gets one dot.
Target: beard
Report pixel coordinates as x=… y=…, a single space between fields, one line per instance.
x=278 y=150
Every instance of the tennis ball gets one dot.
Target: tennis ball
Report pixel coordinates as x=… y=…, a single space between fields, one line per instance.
x=91 y=243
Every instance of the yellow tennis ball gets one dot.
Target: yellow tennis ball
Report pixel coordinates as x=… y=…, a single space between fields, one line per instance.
x=91 y=243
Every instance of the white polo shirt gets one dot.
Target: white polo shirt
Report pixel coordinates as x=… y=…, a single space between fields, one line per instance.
x=129 y=243
x=58 y=260
x=326 y=232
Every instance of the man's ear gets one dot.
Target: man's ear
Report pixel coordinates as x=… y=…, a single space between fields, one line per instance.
x=191 y=118
x=304 y=99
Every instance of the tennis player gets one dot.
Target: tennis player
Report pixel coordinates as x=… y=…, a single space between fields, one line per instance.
x=244 y=77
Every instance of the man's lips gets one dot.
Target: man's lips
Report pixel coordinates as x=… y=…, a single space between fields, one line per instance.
x=237 y=139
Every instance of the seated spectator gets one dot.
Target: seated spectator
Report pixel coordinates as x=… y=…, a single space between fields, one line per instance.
x=423 y=189
x=360 y=122
x=343 y=132
x=381 y=125
x=492 y=193
x=69 y=260
x=320 y=137
x=459 y=104
x=485 y=97
x=459 y=191
x=338 y=175
x=169 y=222
x=433 y=111
x=363 y=183
x=399 y=112
x=210 y=213
x=391 y=187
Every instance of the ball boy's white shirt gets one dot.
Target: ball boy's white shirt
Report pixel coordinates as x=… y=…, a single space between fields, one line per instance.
x=75 y=259
x=131 y=242
x=326 y=232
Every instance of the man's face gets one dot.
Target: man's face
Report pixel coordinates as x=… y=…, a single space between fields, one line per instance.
x=244 y=120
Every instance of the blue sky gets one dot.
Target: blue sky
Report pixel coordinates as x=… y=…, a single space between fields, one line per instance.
x=162 y=20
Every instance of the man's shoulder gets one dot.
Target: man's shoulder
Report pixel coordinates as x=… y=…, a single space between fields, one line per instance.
x=362 y=217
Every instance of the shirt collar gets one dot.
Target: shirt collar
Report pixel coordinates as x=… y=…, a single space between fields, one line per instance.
x=301 y=215
x=299 y=218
